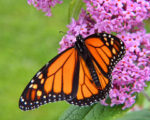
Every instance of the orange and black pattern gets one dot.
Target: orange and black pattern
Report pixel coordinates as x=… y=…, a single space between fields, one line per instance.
x=81 y=75
x=54 y=82
x=88 y=93
x=105 y=51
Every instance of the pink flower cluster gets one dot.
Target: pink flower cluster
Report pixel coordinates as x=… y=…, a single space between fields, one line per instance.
x=118 y=15
x=44 y=5
x=125 y=18
x=132 y=72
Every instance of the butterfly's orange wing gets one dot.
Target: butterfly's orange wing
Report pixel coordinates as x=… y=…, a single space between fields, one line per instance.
x=105 y=51
x=57 y=80
x=88 y=93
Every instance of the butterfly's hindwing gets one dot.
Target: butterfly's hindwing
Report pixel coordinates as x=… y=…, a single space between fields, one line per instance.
x=88 y=93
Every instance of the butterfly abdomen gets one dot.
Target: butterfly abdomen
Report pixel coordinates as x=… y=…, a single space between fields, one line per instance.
x=93 y=72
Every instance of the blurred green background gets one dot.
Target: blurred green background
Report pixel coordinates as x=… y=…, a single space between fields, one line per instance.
x=28 y=40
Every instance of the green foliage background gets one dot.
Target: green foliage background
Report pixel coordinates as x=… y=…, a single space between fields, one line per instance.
x=28 y=40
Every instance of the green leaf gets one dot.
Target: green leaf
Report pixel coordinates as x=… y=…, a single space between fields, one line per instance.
x=138 y=115
x=140 y=98
x=94 y=112
x=75 y=9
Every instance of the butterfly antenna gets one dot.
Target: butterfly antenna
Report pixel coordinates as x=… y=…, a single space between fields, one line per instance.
x=62 y=32
x=84 y=17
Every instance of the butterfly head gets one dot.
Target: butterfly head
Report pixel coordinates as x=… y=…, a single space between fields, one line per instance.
x=80 y=44
x=80 y=38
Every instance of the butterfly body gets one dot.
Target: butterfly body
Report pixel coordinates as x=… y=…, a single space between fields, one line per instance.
x=81 y=75
x=83 y=52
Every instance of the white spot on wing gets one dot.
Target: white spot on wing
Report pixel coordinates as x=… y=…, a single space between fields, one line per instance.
x=38 y=74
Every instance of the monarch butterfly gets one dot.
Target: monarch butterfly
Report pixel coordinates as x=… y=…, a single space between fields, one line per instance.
x=81 y=75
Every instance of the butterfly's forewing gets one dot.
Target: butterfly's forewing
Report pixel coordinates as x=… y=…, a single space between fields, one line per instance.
x=57 y=80
x=105 y=51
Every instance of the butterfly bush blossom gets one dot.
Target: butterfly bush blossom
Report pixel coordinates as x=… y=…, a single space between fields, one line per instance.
x=125 y=19
x=44 y=5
